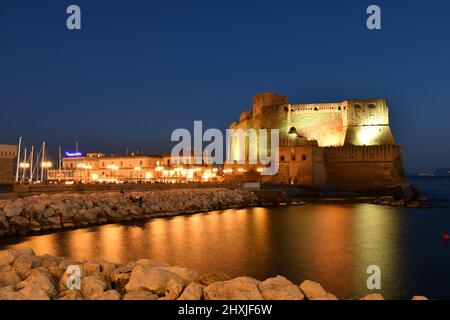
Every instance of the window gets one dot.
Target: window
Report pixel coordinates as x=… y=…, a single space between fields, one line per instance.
x=293 y=157
x=303 y=157
x=282 y=158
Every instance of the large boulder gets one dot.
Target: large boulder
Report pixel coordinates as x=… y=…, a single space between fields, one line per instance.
x=193 y=291
x=13 y=209
x=150 y=263
x=91 y=269
x=92 y=285
x=10 y=255
x=25 y=263
x=174 y=288
x=327 y=296
x=140 y=295
x=211 y=277
x=70 y=295
x=279 y=288
x=373 y=296
x=39 y=280
x=9 y=278
x=7 y=293
x=241 y=288
x=121 y=276
x=186 y=274
x=107 y=295
x=312 y=290
x=152 y=279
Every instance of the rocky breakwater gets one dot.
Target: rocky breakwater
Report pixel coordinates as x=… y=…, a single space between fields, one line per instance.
x=68 y=210
x=25 y=276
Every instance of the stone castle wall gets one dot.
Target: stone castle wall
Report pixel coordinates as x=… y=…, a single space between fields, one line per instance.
x=6 y=170
x=365 y=166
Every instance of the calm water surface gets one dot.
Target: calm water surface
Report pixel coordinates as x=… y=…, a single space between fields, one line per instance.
x=329 y=243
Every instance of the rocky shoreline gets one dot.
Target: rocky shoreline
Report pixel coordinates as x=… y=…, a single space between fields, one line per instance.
x=49 y=211
x=26 y=276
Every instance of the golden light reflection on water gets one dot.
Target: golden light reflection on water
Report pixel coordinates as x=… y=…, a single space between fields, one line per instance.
x=332 y=244
x=377 y=243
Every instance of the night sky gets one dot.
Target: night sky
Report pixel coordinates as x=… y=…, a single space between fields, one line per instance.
x=139 y=69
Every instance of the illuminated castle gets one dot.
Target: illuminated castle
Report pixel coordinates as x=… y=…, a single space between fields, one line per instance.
x=345 y=144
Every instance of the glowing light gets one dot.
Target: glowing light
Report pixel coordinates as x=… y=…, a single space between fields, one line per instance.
x=148 y=175
x=159 y=168
x=46 y=164
x=94 y=176
x=259 y=169
x=137 y=168
x=112 y=167
x=24 y=165
x=368 y=135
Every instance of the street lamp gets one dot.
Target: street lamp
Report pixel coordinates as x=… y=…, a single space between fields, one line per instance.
x=137 y=169
x=45 y=166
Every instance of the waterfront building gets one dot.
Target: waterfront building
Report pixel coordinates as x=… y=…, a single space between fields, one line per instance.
x=101 y=168
x=7 y=155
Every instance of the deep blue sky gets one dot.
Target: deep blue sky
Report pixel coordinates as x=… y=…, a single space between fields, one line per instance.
x=139 y=69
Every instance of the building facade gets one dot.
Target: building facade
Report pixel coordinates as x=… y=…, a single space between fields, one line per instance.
x=100 y=168
x=7 y=155
x=347 y=144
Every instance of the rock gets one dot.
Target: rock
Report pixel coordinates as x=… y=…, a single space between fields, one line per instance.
x=211 y=277
x=108 y=295
x=35 y=226
x=312 y=289
x=91 y=269
x=19 y=220
x=152 y=279
x=31 y=293
x=92 y=285
x=373 y=296
x=55 y=222
x=279 y=288
x=150 y=263
x=107 y=268
x=70 y=295
x=174 y=288
x=241 y=288
x=25 y=263
x=419 y=298
x=193 y=291
x=38 y=280
x=7 y=293
x=13 y=209
x=121 y=276
x=9 y=256
x=140 y=295
x=327 y=296
x=186 y=274
x=9 y=278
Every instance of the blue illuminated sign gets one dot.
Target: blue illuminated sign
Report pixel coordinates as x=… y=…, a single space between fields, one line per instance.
x=73 y=154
